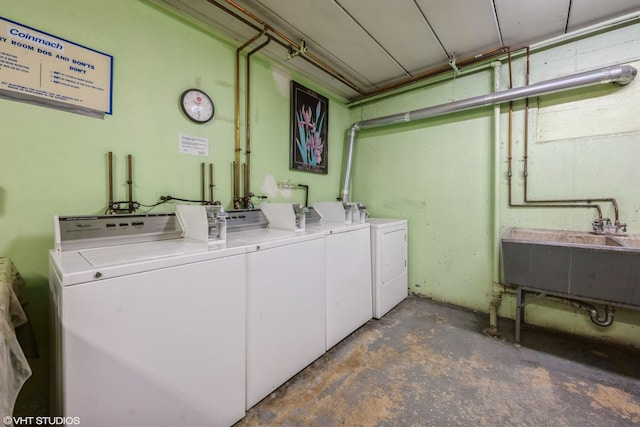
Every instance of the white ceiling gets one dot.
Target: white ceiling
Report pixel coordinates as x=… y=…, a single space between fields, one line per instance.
x=377 y=43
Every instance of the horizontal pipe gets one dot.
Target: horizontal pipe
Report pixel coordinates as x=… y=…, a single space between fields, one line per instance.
x=621 y=74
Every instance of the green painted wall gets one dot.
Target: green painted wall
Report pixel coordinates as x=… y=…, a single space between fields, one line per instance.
x=54 y=162
x=438 y=172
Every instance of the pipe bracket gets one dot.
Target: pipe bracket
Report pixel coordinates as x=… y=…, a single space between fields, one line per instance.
x=300 y=51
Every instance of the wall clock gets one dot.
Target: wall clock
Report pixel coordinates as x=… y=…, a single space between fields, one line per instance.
x=197 y=105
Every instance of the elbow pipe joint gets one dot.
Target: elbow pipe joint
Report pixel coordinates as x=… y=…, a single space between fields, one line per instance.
x=592 y=311
x=608 y=319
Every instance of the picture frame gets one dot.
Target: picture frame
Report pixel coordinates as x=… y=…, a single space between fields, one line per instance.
x=309 y=145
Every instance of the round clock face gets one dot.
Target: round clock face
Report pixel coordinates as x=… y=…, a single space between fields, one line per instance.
x=197 y=105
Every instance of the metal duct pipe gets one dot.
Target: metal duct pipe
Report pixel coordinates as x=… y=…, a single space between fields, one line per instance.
x=621 y=75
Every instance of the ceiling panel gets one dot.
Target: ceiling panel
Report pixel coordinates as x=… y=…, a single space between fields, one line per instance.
x=523 y=22
x=587 y=12
x=326 y=24
x=375 y=43
x=404 y=33
x=464 y=28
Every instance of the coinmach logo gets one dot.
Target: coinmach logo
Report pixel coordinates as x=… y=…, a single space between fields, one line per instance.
x=24 y=35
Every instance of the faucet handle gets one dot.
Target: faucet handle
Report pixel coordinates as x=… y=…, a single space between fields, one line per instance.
x=598 y=226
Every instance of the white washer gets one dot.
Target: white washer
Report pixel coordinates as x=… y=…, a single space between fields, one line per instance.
x=389 y=263
x=285 y=304
x=349 y=287
x=149 y=333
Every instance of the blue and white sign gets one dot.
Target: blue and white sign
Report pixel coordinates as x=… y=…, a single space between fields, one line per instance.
x=41 y=66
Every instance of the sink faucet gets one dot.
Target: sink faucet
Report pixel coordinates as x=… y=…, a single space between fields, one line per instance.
x=604 y=226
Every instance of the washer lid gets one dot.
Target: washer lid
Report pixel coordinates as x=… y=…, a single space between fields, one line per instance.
x=115 y=255
x=89 y=265
x=271 y=237
x=332 y=227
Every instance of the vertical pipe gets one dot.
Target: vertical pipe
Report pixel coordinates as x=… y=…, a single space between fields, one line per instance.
x=211 y=182
x=236 y=169
x=130 y=181
x=346 y=188
x=245 y=189
x=525 y=171
x=247 y=127
x=202 y=182
x=247 y=149
x=496 y=287
x=110 y=157
x=510 y=155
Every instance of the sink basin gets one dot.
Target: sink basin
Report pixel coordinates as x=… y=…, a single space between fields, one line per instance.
x=574 y=263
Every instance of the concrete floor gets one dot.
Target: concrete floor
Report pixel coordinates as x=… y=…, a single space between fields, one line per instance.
x=427 y=364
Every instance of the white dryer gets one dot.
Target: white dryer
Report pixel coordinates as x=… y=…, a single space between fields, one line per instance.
x=285 y=297
x=151 y=332
x=349 y=289
x=389 y=263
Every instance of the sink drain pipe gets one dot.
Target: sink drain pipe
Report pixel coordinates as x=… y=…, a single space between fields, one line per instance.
x=593 y=314
x=621 y=75
x=609 y=311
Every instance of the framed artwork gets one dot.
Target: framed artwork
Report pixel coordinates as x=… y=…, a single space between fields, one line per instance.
x=309 y=144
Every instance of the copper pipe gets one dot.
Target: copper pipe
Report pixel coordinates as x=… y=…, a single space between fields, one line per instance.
x=510 y=158
x=130 y=181
x=247 y=148
x=525 y=170
x=110 y=159
x=211 y=182
x=244 y=178
x=559 y=203
x=236 y=170
x=202 y=182
x=526 y=167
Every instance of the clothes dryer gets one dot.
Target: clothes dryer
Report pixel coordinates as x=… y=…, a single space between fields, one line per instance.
x=389 y=263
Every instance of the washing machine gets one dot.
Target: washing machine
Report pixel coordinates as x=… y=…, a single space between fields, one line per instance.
x=148 y=328
x=348 y=270
x=388 y=263
x=285 y=294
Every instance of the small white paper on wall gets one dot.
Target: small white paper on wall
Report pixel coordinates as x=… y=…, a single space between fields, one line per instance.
x=195 y=145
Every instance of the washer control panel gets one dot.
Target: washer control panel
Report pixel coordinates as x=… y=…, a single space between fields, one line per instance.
x=78 y=232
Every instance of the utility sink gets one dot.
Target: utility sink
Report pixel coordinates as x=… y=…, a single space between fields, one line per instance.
x=574 y=263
